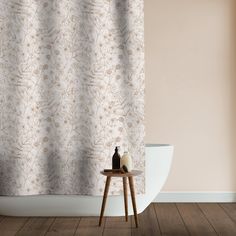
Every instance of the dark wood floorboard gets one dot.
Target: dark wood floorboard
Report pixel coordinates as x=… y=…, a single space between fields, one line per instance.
x=148 y=223
x=117 y=226
x=230 y=209
x=88 y=226
x=36 y=226
x=219 y=219
x=9 y=226
x=194 y=219
x=170 y=220
x=158 y=219
x=63 y=226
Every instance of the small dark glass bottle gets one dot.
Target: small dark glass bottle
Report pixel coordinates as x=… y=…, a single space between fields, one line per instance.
x=116 y=160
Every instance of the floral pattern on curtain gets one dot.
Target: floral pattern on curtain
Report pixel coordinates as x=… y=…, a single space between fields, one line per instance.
x=71 y=89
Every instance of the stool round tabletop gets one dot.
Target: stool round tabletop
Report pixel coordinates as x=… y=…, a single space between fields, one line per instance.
x=120 y=174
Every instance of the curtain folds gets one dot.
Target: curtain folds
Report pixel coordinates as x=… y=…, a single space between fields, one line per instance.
x=71 y=89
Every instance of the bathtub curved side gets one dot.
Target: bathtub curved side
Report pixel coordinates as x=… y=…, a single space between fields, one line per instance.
x=158 y=162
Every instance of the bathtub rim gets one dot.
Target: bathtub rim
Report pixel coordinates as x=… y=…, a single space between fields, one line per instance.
x=149 y=145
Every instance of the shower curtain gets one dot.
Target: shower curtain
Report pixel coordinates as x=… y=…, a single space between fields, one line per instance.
x=71 y=89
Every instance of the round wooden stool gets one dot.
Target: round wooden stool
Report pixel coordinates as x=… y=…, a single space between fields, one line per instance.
x=130 y=176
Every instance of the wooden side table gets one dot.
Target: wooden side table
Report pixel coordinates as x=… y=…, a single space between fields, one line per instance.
x=130 y=176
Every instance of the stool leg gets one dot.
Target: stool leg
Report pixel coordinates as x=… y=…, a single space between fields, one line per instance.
x=131 y=185
x=108 y=180
x=125 y=197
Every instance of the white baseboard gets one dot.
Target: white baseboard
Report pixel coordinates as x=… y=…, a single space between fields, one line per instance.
x=196 y=197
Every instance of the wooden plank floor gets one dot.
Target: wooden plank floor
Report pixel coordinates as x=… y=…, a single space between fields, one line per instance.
x=167 y=219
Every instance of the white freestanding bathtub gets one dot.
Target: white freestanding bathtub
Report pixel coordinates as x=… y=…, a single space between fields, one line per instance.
x=157 y=165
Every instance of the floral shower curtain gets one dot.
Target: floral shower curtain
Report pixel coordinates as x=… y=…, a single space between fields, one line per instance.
x=71 y=89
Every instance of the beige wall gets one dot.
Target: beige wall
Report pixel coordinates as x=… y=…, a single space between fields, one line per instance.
x=191 y=92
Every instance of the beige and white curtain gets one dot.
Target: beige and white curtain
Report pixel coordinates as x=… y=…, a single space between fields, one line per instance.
x=71 y=89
